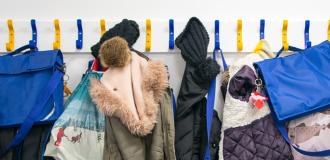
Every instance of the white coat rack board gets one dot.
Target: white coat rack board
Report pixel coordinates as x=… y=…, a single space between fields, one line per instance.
x=160 y=34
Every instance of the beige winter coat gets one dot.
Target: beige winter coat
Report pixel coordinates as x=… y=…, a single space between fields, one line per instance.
x=139 y=123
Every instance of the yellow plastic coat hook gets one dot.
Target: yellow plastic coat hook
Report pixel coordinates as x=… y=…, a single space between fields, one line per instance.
x=285 y=35
x=148 y=35
x=11 y=40
x=57 y=43
x=102 y=24
x=239 y=35
x=329 y=30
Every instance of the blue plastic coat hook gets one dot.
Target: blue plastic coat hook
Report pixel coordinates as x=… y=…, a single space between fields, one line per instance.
x=217 y=43
x=262 y=29
x=33 y=41
x=171 y=34
x=79 y=41
x=216 y=35
x=307 y=42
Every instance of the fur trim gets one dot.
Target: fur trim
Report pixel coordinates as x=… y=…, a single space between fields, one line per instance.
x=225 y=78
x=114 y=53
x=156 y=79
x=154 y=84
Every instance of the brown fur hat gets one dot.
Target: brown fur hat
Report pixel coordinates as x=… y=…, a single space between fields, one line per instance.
x=114 y=53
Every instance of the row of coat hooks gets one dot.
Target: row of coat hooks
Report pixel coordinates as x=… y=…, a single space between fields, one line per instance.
x=79 y=42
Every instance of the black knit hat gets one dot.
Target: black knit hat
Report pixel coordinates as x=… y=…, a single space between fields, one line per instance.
x=193 y=43
x=127 y=29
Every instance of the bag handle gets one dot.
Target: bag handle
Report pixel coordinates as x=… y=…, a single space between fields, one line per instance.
x=34 y=113
x=21 y=49
x=281 y=127
x=291 y=48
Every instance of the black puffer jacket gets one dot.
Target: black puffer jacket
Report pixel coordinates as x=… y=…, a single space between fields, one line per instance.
x=190 y=121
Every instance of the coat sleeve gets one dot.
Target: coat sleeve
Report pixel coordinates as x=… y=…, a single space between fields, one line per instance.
x=168 y=125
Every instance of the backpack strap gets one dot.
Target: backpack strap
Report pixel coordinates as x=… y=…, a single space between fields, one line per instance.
x=209 y=112
x=281 y=127
x=291 y=48
x=23 y=48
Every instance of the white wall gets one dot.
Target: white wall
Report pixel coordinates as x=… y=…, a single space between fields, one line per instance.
x=228 y=11
x=155 y=9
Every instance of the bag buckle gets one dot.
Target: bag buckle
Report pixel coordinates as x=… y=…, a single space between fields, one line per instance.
x=61 y=68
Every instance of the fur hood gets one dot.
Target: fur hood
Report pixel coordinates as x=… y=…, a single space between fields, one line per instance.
x=154 y=81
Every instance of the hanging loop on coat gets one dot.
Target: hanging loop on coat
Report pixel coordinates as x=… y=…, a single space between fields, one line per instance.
x=148 y=35
x=285 y=43
x=262 y=29
x=57 y=43
x=171 y=34
x=239 y=35
x=11 y=39
x=33 y=41
x=307 y=42
x=102 y=25
x=216 y=35
x=79 y=41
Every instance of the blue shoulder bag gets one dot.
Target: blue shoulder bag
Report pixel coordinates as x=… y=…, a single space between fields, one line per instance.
x=31 y=90
x=297 y=85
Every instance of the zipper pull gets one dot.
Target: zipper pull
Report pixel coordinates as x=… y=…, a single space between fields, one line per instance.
x=259 y=84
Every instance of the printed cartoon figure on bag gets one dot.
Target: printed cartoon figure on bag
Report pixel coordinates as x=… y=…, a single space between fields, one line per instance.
x=60 y=135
